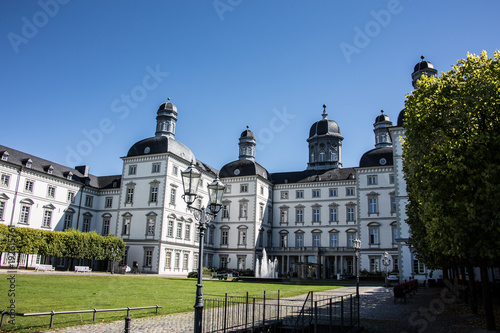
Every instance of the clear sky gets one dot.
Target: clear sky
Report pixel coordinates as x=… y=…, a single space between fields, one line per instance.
x=81 y=81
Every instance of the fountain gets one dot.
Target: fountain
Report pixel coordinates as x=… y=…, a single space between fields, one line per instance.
x=266 y=268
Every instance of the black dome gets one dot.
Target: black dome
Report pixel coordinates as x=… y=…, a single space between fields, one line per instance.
x=423 y=65
x=243 y=168
x=247 y=133
x=159 y=145
x=325 y=127
x=401 y=120
x=381 y=118
x=376 y=157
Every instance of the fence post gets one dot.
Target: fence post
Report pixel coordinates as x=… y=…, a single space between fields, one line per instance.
x=316 y=317
x=246 y=312
x=350 y=305
x=264 y=310
x=342 y=312
x=127 y=325
x=224 y=320
x=93 y=317
x=156 y=308
x=52 y=313
x=253 y=314
x=278 y=310
x=330 y=316
x=3 y=314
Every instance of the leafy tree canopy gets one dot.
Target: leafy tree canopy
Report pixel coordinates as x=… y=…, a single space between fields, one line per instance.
x=451 y=158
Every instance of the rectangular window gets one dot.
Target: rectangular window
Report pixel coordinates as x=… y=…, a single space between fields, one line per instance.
x=316 y=215
x=2 y=209
x=179 y=230
x=155 y=168
x=394 y=230
x=299 y=215
x=334 y=241
x=243 y=209
x=185 y=261
x=150 y=231
x=68 y=219
x=168 y=259
x=350 y=214
x=47 y=218
x=349 y=191
x=170 y=229
x=350 y=239
x=172 y=196
x=225 y=211
x=5 y=180
x=223 y=262
x=283 y=215
x=374 y=236
x=374 y=265
x=316 y=240
x=284 y=194
x=244 y=188
x=177 y=260
x=316 y=193
x=130 y=195
x=284 y=240
x=28 y=186
x=224 y=237
x=211 y=232
x=109 y=202
x=89 y=201
x=153 y=193
x=333 y=192
x=86 y=224
x=187 y=232
x=126 y=226
x=372 y=206
x=242 y=237
x=175 y=169
x=333 y=214
x=391 y=178
x=132 y=169
x=299 y=194
x=299 y=240
x=372 y=180
x=105 y=226
x=148 y=257
x=71 y=196
x=393 y=204
x=51 y=191
x=25 y=215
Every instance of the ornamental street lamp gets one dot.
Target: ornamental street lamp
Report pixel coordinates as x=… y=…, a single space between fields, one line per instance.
x=190 y=181
x=386 y=262
x=357 y=246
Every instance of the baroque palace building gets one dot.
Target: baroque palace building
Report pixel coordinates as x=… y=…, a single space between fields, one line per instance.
x=307 y=220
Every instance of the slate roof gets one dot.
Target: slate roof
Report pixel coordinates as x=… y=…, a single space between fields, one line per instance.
x=41 y=165
x=307 y=176
x=374 y=157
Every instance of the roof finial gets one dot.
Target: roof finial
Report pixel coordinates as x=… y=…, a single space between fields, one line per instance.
x=382 y=111
x=248 y=127
x=422 y=57
x=324 y=112
x=168 y=99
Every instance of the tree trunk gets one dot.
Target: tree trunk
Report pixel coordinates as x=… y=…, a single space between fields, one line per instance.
x=472 y=290
x=488 y=302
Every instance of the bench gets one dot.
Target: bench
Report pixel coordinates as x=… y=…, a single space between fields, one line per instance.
x=405 y=289
x=40 y=267
x=83 y=269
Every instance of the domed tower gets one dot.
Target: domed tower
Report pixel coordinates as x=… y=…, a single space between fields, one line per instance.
x=381 y=125
x=325 y=144
x=166 y=119
x=421 y=68
x=247 y=145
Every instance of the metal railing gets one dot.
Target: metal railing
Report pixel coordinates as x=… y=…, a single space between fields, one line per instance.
x=94 y=311
x=257 y=313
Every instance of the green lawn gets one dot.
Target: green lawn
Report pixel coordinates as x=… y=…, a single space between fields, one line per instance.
x=43 y=293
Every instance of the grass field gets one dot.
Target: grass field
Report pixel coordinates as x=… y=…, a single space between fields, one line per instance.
x=44 y=293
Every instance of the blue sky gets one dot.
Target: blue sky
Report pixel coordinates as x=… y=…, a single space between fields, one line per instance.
x=82 y=80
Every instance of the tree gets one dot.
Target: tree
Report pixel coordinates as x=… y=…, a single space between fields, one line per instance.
x=451 y=158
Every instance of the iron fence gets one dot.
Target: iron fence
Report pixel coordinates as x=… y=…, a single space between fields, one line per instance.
x=259 y=313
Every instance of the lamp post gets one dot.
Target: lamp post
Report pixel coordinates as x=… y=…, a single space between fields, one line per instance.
x=190 y=181
x=386 y=262
x=357 y=246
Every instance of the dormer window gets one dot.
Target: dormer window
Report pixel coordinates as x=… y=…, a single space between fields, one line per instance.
x=28 y=163
x=49 y=169
x=69 y=175
x=5 y=156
